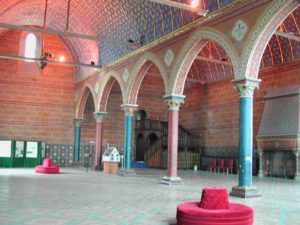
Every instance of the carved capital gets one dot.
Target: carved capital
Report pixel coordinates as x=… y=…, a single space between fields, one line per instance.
x=129 y=109
x=100 y=116
x=174 y=101
x=78 y=121
x=246 y=87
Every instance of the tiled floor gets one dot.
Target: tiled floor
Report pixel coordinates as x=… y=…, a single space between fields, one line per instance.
x=77 y=197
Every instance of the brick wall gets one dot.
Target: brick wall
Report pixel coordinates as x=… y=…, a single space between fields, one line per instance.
x=212 y=110
x=36 y=106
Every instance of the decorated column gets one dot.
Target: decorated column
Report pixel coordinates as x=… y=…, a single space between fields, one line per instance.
x=99 y=117
x=296 y=153
x=77 y=134
x=174 y=103
x=260 y=166
x=245 y=88
x=128 y=131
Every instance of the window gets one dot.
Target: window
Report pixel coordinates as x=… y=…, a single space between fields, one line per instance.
x=30 y=46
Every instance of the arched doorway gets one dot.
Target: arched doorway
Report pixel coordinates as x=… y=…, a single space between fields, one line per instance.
x=152 y=138
x=141 y=115
x=140 y=147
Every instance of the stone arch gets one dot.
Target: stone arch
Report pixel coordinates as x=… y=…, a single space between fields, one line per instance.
x=106 y=86
x=189 y=52
x=139 y=73
x=83 y=96
x=261 y=35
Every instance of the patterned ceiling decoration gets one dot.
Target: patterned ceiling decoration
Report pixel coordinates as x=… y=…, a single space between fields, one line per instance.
x=115 y=22
x=279 y=50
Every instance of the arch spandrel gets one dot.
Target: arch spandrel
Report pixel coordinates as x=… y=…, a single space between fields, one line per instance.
x=189 y=52
x=106 y=84
x=82 y=98
x=139 y=72
x=260 y=36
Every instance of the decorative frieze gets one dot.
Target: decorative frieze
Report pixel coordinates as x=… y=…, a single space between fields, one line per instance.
x=78 y=121
x=246 y=88
x=129 y=109
x=174 y=101
x=100 y=116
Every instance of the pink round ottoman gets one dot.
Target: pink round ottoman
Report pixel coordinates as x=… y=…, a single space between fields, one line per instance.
x=214 y=209
x=47 y=167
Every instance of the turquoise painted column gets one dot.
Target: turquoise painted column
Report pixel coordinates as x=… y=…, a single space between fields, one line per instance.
x=128 y=134
x=245 y=189
x=77 y=134
x=174 y=102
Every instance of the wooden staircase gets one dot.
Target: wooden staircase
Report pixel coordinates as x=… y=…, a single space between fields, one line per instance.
x=155 y=154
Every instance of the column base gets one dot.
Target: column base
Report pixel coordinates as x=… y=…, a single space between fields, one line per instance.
x=297 y=178
x=245 y=192
x=171 y=181
x=98 y=168
x=127 y=173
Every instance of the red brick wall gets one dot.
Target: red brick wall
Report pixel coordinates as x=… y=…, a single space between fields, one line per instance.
x=150 y=97
x=212 y=110
x=36 y=107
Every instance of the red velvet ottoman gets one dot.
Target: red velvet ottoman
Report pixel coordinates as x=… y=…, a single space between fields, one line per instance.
x=47 y=167
x=214 y=209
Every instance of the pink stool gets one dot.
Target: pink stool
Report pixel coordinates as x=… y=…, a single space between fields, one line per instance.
x=214 y=209
x=47 y=167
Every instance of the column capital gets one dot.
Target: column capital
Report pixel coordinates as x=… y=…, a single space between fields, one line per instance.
x=129 y=109
x=100 y=116
x=174 y=101
x=246 y=87
x=78 y=121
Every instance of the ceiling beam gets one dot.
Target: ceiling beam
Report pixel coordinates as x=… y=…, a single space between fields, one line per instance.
x=179 y=5
x=68 y=34
x=48 y=31
x=16 y=57
x=195 y=80
x=202 y=58
x=287 y=35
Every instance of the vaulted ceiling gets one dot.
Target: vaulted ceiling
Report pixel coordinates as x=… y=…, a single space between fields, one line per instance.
x=110 y=29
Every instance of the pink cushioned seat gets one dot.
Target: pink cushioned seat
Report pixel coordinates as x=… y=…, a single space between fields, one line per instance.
x=47 y=167
x=217 y=211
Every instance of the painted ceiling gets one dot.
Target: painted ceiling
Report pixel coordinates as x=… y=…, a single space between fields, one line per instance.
x=121 y=26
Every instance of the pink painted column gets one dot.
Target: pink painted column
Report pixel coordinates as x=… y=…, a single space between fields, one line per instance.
x=173 y=102
x=99 y=117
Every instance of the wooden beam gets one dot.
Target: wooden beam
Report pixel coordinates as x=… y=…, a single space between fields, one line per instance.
x=287 y=35
x=202 y=58
x=16 y=57
x=179 y=5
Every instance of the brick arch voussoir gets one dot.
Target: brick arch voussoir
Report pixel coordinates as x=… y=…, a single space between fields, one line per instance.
x=106 y=86
x=139 y=73
x=189 y=52
x=105 y=95
x=265 y=27
x=84 y=93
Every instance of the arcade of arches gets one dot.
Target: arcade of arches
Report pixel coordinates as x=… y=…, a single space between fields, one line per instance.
x=223 y=86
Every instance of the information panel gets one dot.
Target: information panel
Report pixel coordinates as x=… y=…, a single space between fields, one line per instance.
x=19 y=153
x=31 y=149
x=5 y=149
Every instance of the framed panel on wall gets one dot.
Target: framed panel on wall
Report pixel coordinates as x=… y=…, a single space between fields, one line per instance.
x=6 y=153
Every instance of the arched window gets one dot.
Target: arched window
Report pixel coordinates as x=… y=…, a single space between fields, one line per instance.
x=30 y=46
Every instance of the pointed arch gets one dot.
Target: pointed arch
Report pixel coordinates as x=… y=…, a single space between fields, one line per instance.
x=81 y=101
x=139 y=73
x=261 y=35
x=189 y=52
x=106 y=85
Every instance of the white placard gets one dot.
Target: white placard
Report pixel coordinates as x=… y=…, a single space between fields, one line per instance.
x=5 y=149
x=19 y=152
x=31 y=149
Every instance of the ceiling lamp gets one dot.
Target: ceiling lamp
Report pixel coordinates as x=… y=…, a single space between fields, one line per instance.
x=62 y=58
x=194 y=7
x=194 y=3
